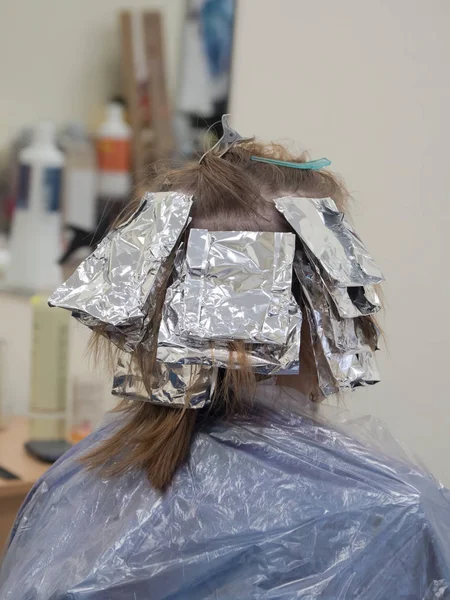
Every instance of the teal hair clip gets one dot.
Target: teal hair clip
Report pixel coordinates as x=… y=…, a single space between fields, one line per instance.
x=312 y=165
x=231 y=137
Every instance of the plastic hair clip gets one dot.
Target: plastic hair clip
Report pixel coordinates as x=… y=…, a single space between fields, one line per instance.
x=312 y=165
x=229 y=139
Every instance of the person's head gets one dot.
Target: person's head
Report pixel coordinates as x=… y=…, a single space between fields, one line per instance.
x=230 y=193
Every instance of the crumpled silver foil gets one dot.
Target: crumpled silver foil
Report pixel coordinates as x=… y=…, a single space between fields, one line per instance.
x=114 y=285
x=331 y=240
x=233 y=286
x=189 y=386
x=343 y=356
x=353 y=302
x=237 y=286
x=368 y=370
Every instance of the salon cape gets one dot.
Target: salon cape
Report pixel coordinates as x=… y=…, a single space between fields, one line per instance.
x=302 y=505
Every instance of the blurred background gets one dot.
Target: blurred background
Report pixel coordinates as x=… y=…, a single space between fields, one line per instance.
x=99 y=92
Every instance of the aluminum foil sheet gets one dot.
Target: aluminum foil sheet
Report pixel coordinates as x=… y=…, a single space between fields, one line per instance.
x=114 y=285
x=368 y=370
x=233 y=286
x=366 y=299
x=351 y=302
x=343 y=355
x=336 y=371
x=190 y=386
x=329 y=237
x=237 y=286
x=348 y=302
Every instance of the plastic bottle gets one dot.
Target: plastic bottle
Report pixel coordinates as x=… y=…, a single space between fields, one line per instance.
x=36 y=230
x=73 y=131
x=113 y=154
x=80 y=184
x=86 y=407
x=10 y=175
x=49 y=372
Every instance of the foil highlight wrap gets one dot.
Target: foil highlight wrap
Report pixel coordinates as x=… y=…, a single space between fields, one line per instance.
x=331 y=240
x=237 y=286
x=351 y=302
x=233 y=286
x=114 y=286
x=342 y=347
x=189 y=386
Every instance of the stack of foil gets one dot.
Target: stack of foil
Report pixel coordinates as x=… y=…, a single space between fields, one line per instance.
x=189 y=386
x=230 y=302
x=233 y=286
x=115 y=286
x=337 y=277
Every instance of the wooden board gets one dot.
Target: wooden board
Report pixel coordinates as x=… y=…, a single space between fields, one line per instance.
x=147 y=100
x=159 y=103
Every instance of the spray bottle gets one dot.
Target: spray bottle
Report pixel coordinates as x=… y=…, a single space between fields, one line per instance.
x=36 y=230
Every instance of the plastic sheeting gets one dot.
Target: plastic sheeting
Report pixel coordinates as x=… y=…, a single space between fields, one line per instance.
x=298 y=506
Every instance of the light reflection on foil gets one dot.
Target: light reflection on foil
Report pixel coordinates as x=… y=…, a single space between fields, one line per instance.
x=189 y=386
x=114 y=286
x=343 y=356
x=331 y=240
x=233 y=286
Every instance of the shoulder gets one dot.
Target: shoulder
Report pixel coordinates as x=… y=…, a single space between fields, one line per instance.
x=60 y=473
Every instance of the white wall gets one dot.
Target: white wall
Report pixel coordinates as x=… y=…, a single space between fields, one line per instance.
x=60 y=58
x=366 y=84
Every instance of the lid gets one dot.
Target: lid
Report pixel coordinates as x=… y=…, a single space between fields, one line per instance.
x=44 y=134
x=114 y=112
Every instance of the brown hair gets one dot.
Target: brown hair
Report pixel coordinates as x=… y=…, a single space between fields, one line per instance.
x=230 y=193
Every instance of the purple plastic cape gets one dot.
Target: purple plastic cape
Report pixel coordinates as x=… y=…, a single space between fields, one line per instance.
x=303 y=505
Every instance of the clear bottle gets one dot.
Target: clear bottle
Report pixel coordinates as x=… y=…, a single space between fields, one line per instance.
x=36 y=231
x=86 y=407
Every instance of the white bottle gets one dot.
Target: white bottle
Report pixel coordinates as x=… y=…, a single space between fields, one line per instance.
x=36 y=231
x=113 y=155
x=80 y=185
